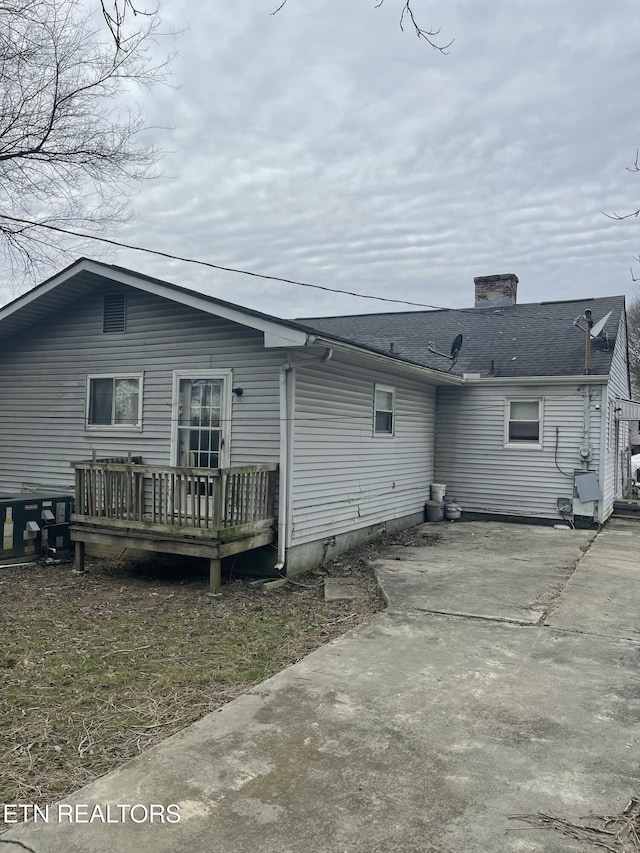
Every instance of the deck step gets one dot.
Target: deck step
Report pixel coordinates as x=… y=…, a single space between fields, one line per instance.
x=626 y=509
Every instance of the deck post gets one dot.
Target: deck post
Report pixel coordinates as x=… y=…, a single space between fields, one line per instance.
x=215 y=575
x=79 y=558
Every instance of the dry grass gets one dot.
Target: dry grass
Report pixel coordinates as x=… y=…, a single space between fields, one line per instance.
x=618 y=833
x=96 y=668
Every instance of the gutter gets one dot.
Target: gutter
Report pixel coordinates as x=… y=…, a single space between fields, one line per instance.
x=436 y=376
x=442 y=378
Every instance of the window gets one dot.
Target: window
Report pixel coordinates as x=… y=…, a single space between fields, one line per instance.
x=383 y=410
x=524 y=422
x=114 y=313
x=114 y=401
x=200 y=422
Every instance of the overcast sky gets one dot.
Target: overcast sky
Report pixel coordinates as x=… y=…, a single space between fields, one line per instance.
x=325 y=144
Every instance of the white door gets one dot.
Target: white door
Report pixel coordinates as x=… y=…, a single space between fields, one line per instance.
x=201 y=438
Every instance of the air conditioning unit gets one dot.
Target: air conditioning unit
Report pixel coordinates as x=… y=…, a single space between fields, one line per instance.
x=33 y=523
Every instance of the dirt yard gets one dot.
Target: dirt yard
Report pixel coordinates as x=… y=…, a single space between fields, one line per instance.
x=96 y=668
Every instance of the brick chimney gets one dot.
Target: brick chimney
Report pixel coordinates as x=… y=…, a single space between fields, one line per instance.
x=496 y=291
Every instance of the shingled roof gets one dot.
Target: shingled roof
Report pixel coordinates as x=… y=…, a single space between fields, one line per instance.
x=534 y=339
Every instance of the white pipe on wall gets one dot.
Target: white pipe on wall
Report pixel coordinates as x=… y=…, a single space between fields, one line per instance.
x=283 y=479
x=285 y=467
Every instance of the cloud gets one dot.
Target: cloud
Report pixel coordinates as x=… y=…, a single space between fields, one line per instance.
x=324 y=144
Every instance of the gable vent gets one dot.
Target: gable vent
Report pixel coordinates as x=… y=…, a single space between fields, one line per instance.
x=114 y=312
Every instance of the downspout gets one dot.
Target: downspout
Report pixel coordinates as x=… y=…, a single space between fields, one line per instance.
x=604 y=408
x=283 y=480
x=285 y=467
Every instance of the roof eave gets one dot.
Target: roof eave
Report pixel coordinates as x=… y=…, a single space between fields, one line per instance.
x=194 y=300
x=284 y=333
x=42 y=289
x=436 y=377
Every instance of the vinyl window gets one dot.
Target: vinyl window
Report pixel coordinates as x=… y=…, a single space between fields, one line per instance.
x=384 y=410
x=114 y=401
x=523 y=426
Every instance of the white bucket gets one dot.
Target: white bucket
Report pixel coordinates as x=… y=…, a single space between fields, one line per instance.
x=438 y=491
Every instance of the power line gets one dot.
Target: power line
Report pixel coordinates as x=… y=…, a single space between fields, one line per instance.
x=211 y=265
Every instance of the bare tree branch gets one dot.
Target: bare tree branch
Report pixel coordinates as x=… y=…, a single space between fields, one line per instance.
x=115 y=13
x=275 y=11
x=70 y=152
x=407 y=12
x=619 y=217
x=634 y=167
x=427 y=35
x=633 y=334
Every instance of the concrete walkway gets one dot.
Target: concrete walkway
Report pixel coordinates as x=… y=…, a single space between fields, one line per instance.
x=423 y=730
x=603 y=598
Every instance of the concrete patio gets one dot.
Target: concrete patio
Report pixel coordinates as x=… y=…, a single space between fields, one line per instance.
x=501 y=680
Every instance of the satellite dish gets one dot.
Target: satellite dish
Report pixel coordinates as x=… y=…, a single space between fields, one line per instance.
x=456 y=346
x=455 y=349
x=598 y=327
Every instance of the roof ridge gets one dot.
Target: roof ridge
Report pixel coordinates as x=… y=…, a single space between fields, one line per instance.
x=466 y=309
x=375 y=314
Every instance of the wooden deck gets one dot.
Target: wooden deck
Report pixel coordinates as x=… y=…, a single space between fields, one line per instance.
x=199 y=512
x=627 y=508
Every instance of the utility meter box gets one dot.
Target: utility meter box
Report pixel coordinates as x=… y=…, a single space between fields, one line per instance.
x=586 y=492
x=34 y=523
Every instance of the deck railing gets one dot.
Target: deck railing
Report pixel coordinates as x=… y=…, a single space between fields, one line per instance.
x=128 y=493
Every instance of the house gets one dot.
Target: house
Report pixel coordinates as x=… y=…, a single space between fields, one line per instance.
x=198 y=426
x=542 y=403
x=151 y=390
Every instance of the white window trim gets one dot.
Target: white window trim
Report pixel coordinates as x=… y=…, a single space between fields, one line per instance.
x=524 y=445
x=137 y=427
x=390 y=390
x=226 y=411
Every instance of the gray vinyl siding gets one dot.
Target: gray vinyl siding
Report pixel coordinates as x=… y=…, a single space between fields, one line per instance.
x=616 y=433
x=43 y=386
x=484 y=475
x=345 y=478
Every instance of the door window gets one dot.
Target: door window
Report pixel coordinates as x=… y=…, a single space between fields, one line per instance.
x=200 y=423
